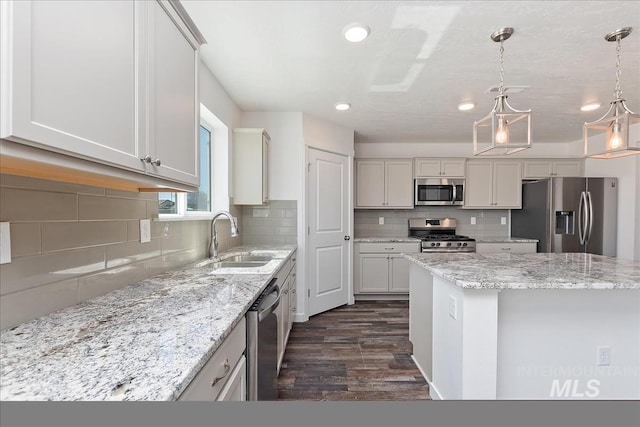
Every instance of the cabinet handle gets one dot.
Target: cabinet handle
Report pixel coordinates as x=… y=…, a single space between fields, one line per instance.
x=149 y=159
x=389 y=249
x=227 y=367
x=347 y=237
x=505 y=249
x=293 y=291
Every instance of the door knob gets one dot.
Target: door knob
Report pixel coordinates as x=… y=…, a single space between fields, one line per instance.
x=347 y=237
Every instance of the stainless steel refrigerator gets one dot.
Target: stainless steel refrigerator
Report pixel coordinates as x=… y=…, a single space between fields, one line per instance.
x=569 y=214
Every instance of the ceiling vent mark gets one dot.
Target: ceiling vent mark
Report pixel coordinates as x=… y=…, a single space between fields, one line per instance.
x=507 y=89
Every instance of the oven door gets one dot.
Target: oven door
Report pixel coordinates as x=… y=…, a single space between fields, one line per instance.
x=438 y=192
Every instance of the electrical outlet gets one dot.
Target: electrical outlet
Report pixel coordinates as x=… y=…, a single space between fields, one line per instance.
x=145 y=230
x=473 y=220
x=5 y=243
x=380 y=220
x=604 y=356
x=453 y=309
x=503 y=220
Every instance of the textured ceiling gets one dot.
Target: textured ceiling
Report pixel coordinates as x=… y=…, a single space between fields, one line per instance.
x=421 y=60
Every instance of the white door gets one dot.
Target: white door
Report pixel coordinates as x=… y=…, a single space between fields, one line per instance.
x=328 y=221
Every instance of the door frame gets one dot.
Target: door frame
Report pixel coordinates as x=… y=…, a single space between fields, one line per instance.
x=303 y=315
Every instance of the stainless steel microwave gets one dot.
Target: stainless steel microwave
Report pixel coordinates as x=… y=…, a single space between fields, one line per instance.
x=439 y=192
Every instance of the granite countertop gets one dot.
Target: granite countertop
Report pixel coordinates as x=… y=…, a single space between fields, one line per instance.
x=503 y=239
x=531 y=271
x=146 y=341
x=386 y=240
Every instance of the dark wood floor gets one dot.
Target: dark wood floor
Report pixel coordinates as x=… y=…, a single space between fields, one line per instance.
x=357 y=352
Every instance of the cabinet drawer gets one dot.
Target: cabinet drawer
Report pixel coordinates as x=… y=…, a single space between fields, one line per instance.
x=506 y=247
x=389 y=247
x=219 y=365
x=292 y=261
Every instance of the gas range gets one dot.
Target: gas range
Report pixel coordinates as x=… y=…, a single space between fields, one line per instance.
x=439 y=235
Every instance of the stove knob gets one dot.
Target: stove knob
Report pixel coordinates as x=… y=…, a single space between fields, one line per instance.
x=459 y=243
x=449 y=244
x=464 y=244
x=438 y=244
x=433 y=244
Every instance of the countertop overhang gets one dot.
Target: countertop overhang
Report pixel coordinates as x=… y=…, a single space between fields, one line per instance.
x=531 y=271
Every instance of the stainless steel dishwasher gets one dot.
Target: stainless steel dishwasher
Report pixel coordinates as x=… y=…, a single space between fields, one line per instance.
x=262 y=345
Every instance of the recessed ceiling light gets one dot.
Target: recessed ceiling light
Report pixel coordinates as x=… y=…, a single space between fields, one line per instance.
x=590 y=107
x=466 y=106
x=342 y=106
x=356 y=32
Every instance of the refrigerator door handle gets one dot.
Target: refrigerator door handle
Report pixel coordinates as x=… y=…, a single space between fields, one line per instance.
x=582 y=208
x=590 y=218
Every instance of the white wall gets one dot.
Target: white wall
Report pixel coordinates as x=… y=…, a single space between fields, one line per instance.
x=327 y=136
x=625 y=169
x=286 y=151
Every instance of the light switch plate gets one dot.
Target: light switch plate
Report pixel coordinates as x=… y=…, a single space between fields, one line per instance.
x=145 y=230
x=453 y=309
x=503 y=220
x=380 y=220
x=473 y=220
x=5 y=243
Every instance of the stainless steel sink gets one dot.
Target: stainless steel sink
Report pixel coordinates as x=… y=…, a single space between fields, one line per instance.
x=238 y=264
x=248 y=258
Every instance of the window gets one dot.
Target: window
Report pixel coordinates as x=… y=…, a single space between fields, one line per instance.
x=200 y=201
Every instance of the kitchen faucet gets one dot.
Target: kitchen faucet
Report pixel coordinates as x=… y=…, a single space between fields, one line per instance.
x=213 y=246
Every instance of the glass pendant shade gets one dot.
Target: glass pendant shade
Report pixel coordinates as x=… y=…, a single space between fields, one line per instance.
x=504 y=131
x=617 y=132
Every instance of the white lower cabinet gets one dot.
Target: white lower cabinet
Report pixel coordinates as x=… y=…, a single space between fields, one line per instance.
x=286 y=309
x=380 y=267
x=224 y=376
x=515 y=247
x=235 y=390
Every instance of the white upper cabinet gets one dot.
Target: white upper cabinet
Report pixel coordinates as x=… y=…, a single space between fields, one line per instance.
x=250 y=166
x=493 y=184
x=174 y=106
x=384 y=183
x=107 y=81
x=545 y=168
x=444 y=168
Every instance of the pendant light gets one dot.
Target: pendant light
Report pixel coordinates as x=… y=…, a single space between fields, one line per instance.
x=615 y=122
x=505 y=130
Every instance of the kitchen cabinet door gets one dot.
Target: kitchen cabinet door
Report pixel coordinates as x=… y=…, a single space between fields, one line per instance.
x=283 y=320
x=235 y=390
x=399 y=184
x=250 y=166
x=174 y=108
x=478 y=191
x=398 y=274
x=507 y=184
x=373 y=273
x=70 y=82
x=514 y=247
x=439 y=168
x=547 y=168
x=293 y=295
x=384 y=183
x=370 y=183
x=493 y=184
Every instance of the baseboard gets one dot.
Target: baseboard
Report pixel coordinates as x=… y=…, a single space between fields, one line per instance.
x=433 y=392
x=381 y=297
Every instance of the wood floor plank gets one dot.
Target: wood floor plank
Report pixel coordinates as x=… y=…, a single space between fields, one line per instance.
x=358 y=352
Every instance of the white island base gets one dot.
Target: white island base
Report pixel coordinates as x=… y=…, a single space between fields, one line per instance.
x=490 y=343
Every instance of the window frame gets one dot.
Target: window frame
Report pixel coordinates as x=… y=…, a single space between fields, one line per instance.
x=181 y=197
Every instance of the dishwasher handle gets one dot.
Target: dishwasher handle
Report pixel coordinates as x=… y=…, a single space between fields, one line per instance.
x=271 y=300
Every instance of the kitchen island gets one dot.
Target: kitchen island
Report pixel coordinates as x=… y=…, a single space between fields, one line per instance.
x=526 y=326
x=146 y=341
